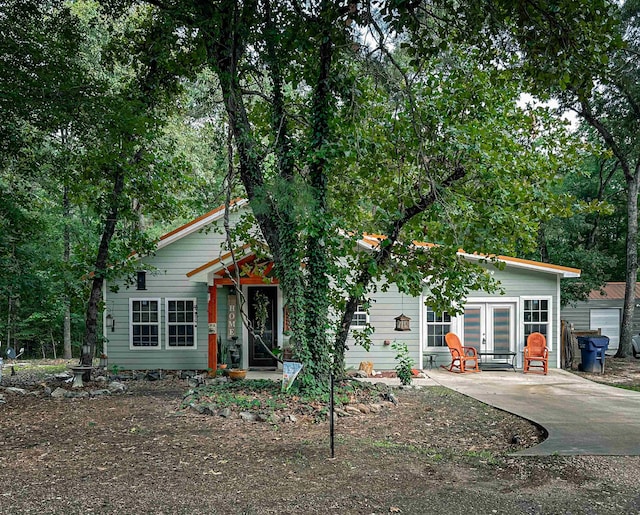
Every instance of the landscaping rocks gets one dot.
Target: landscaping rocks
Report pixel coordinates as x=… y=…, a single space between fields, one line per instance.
x=248 y=416
x=117 y=387
x=14 y=390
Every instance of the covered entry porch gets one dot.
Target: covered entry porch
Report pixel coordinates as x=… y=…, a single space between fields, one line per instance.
x=242 y=293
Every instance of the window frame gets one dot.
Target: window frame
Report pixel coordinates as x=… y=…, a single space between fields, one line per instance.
x=427 y=324
x=157 y=323
x=548 y=323
x=194 y=323
x=141 y=280
x=360 y=310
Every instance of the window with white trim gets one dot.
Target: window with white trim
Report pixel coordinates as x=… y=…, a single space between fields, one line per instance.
x=360 y=316
x=144 y=330
x=537 y=316
x=437 y=326
x=182 y=321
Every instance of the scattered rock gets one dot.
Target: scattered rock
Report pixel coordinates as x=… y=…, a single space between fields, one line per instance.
x=225 y=412
x=248 y=416
x=292 y=418
x=340 y=412
x=193 y=382
x=17 y=391
x=375 y=408
x=203 y=409
x=363 y=408
x=2 y=399
x=262 y=417
x=275 y=419
x=352 y=410
x=153 y=375
x=58 y=393
x=117 y=387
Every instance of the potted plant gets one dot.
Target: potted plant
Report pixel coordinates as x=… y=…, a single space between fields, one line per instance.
x=235 y=374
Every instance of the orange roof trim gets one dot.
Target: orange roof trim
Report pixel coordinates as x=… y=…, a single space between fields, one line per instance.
x=211 y=213
x=374 y=240
x=216 y=261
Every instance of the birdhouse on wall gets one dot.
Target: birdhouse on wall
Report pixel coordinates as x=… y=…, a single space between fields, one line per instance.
x=403 y=323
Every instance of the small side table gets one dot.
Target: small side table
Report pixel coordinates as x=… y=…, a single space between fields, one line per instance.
x=430 y=359
x=78 y=372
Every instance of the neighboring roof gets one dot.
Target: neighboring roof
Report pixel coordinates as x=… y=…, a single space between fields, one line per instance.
x=612 y=291
x=373 y=240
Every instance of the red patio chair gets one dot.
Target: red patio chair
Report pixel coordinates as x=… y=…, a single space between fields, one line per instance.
x=460 y=355
x=536 y=351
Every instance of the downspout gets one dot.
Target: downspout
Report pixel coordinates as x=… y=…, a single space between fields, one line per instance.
x=104 y=319
x=557 y=324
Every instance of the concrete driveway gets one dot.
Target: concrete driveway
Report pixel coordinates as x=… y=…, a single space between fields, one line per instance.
x=580 y=416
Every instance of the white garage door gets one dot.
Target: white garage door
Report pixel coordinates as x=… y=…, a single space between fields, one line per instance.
x=608 y=321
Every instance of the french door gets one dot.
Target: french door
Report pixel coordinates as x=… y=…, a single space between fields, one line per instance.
x=490 y=327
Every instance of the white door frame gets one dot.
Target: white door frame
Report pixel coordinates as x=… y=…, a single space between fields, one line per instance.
x=487 y=307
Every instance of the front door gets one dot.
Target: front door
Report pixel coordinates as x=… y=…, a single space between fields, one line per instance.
x=489 y=327
x=263 y=311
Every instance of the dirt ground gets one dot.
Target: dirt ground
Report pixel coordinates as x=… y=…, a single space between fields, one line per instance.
x=434 y=452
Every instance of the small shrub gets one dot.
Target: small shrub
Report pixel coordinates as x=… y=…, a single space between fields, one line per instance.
x=405 y=362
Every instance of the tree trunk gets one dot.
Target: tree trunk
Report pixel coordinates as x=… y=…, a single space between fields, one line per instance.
x=101 y=263
x=624 y=348
x=66 y=210
x=317 y=291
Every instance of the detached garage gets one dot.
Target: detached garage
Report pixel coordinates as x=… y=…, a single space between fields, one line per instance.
x=603 y=311
x=607 y=320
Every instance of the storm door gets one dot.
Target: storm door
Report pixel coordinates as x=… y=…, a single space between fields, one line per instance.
x=263 y=304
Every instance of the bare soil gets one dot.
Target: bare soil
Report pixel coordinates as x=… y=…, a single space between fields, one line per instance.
x=147 y=451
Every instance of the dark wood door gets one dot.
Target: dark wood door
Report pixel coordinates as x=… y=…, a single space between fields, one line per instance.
x=263 y=309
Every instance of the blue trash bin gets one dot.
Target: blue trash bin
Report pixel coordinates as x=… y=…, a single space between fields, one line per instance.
x=592 y=350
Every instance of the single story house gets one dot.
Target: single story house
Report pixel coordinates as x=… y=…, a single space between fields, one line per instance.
x=184 y=306
x=603 y=311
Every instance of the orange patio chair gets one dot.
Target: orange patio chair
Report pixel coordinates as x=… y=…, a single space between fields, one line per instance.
x=536 y=351
x=465 y=359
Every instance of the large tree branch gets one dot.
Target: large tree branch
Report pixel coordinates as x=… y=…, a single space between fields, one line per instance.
x=383 y=256
x=586 y=112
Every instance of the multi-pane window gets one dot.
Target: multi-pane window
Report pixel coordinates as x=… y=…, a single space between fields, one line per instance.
x=181 y=323
x=360 y=316
x=145 y=322
x=536 y=317
x=437 y=326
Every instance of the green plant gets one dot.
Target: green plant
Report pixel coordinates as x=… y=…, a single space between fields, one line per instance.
x=115 y=369
x=405 y=362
